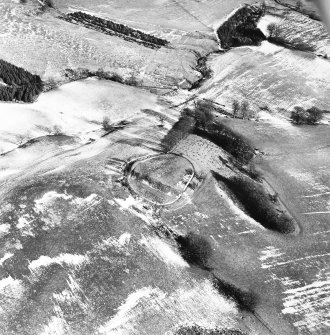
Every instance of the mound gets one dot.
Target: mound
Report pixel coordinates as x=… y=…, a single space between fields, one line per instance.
x=161 y=179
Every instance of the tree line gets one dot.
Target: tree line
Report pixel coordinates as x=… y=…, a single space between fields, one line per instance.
x=20 y=85
x=241 y=28
x=201 y=122
x=110 y=27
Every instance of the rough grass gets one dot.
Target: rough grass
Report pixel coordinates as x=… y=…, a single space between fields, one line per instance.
x=231 y=142
x=200 y=121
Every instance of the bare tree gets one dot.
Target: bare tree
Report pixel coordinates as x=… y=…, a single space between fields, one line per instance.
x=245 y=110
x=22 y=138
x=299 y=5
x=57 y=130
x=273 y=29
x=236 y=109
x=161 y=120
x=106 y=125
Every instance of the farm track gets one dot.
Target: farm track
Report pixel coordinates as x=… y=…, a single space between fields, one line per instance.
x=191 y=14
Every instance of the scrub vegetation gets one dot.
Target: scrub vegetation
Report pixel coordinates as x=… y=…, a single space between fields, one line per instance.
x=245 y=300
x=252 y=197
x=195 y=249
x=310 y=116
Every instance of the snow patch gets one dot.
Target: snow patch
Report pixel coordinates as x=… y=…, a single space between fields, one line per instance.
x=5 y=257
x=47 y=199
x=121 y=243
x=36 y=266
x=310 y=304
x=5 y=173
x=308 y=179
x=56 y=326
x=125 y=309
x=91 y=200
x=201 y=215
x=286 y=281
x=124 y=239
x=127 y=203
x=191 y=303
x=24 y=226
x=4 y=229
x=268 y=48
x=269 y=257
x=137 y=208
x=163 y=251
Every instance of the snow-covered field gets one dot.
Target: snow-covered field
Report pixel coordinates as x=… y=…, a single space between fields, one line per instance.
x=46 y=45
x=76 y=109
x=156 y=15
x=269 y=76
x=81 y=253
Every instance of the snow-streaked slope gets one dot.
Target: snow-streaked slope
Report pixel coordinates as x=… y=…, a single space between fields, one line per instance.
x=269 y=76
x=79 y=253
x=184 y=15
x=46 y=45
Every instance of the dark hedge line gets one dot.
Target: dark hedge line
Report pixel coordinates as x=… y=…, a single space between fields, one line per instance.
x=20 y=85
x=112 y=28
x=180 y=130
